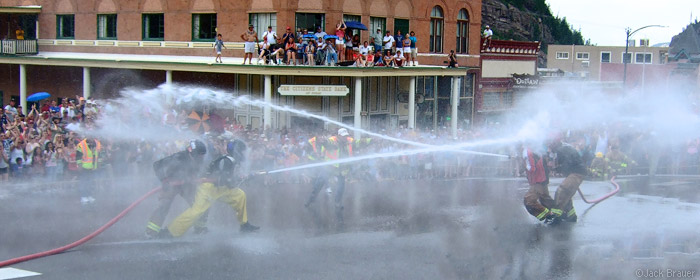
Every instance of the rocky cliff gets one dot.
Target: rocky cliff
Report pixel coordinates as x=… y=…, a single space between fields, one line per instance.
x=528 y=20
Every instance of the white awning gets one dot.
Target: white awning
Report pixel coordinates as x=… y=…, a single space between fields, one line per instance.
x=20 y=10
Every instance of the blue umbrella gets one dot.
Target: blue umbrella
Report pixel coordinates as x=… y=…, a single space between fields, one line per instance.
x=330 y=37
x=38 y=96
x=309 y=36
x=355 y=25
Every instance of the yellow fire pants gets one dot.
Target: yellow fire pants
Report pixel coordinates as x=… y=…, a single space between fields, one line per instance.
x=206 y=194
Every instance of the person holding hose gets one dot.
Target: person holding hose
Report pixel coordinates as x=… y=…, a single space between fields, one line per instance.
x=177 y=174
x=221 y=182
x=570 y=164
x=537 y=199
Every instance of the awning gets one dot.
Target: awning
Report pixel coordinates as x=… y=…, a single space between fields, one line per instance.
x=20 y=10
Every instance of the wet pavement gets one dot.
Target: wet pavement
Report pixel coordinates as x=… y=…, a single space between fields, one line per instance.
x=474 y=228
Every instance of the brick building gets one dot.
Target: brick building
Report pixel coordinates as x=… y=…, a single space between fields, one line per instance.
x=96 y=47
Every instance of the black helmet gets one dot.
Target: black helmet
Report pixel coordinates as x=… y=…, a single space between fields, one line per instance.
x=197 y=147
x=235 y=148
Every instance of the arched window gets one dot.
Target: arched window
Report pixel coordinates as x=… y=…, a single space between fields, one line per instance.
x=437 y=19
x=462 y=32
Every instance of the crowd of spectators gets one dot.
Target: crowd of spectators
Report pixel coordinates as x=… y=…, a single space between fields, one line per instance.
x=39 y=146
x=341 y=48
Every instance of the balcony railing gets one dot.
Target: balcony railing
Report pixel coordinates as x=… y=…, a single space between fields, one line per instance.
x=15 y=47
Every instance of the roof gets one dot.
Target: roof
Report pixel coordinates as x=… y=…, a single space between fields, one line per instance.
x=231 y=65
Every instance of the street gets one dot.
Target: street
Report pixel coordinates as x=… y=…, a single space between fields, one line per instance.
x=473 y=228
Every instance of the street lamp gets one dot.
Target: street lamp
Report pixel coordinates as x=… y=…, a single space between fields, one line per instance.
x=627 y=44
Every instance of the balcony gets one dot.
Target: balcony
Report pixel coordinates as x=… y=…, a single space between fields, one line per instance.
x=18 y=47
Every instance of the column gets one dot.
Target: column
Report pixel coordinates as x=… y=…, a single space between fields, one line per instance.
x=454 y=100
x=358 y=106
x=86 y=82
x=412 y=103
x=168 y=77
x=267 y=112
x=23 y=88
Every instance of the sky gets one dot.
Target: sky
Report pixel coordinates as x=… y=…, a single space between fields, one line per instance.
x=604 y=21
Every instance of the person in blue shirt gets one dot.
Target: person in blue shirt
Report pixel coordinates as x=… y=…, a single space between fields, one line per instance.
x=414 y=50
x=398 y=39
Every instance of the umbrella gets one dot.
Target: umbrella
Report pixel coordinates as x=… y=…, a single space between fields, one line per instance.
x=309 y=36
x=198 y=122
x=38 y=96
x=330 y=37
x=355 y=25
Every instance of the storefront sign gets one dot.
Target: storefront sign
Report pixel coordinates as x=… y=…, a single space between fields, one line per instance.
x=525 y=81
x=314 y=90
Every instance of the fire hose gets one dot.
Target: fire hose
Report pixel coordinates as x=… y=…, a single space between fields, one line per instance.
x=82 y=240
x=604 y=197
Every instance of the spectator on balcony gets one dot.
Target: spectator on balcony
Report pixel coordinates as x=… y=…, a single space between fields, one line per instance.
x=452 y=60
x=378 y=40
x=488 y=33
x=270 y=36
x=291 y=48
x=414 y=50
x=19 y=33
x=217 y=45
x=388 y=41
x=288 y=34
x=250 y=37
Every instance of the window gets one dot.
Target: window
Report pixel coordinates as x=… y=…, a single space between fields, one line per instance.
x=377 y=23
x=436 y=22
x=562 y=55
x=347 y=18
x=585 y=64
x=203 y=27
x=65 y=26
x=462 y=32
x=582 y=56
x=642 y=58
x=153 y=27
x=310 y=21
x=107 y=27
x=260 y=22
x=400 y=24
x=626 y=57
x=605 y=57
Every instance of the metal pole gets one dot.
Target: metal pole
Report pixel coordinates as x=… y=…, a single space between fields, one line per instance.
x=86 y=82
x=267 y=117
x=23 y=88
x=412 y=103
x=624 y=61
x=455 y=103
x=358 y=106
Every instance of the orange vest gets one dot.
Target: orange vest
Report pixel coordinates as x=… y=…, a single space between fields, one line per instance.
x=89 y=159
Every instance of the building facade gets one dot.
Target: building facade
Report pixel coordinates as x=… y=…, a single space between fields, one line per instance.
x=587 y=62
x=97 y=47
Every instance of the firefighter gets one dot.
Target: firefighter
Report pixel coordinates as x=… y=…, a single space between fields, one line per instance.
x=88 y=159
x=537 y=199
x=334 y=148
x=177 y=174
x=619 y=162
x=570 y=164
x=599 y=167
x=222 y=180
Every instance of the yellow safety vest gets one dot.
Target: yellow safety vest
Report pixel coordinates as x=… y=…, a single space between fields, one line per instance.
x=89 y=159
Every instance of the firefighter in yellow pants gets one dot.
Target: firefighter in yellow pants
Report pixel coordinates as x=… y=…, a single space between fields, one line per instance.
x=222 y=184
x=207 y=193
